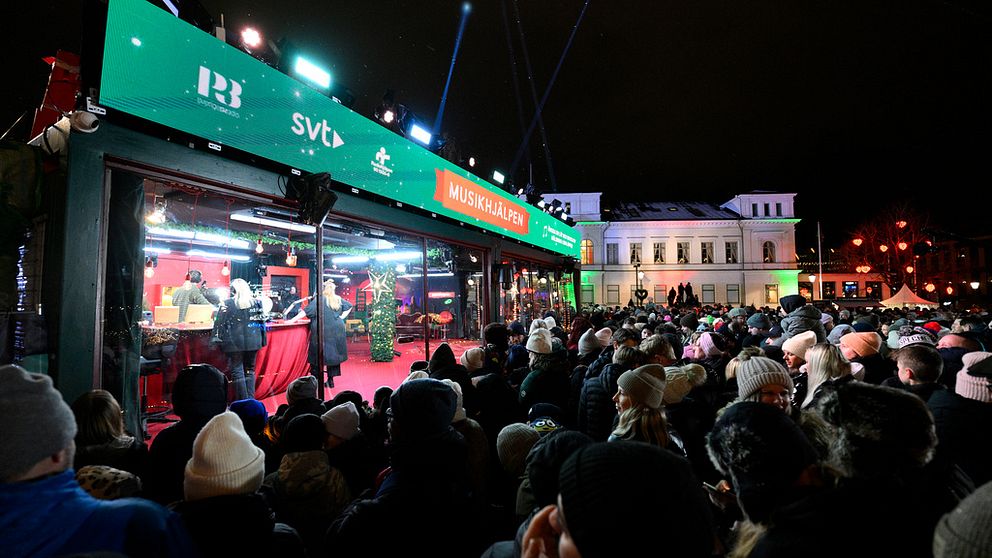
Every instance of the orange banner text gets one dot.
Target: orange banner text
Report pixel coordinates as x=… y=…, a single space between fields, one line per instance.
x=468 y=198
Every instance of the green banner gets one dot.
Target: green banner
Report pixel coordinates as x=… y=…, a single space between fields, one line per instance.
x=163 y=69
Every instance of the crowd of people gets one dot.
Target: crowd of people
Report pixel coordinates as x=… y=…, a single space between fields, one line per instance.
x=655 y=430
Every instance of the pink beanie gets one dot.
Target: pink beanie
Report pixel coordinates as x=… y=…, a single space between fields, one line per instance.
x=707 y=343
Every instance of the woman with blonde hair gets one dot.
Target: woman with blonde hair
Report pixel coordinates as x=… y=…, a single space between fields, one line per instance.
x=335 y=310
x=240 y=330
x=825 y=363
x=639 y=403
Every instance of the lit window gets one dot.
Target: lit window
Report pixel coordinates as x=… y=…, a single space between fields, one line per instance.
x=587 y=251
x=768 y=252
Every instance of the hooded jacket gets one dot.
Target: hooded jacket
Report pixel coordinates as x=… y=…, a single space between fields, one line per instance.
x=804 y=318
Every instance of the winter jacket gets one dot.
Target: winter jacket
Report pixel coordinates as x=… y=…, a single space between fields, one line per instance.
x=240 y=525
x=802 y=319
x=877 y=368
x=240 y=329
x=597 y=410
x=962 y=430
x=125 y=453
x=545 y=386
x=53 y=516
x=167 y=458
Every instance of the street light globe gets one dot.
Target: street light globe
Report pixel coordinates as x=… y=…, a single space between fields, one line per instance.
x=640 y=275
x=812 y=278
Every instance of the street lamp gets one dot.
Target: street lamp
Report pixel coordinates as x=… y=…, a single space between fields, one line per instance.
x=812 y=280
x=974 y=285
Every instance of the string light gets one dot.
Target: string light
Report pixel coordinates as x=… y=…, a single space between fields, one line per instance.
x=225 y=271
x=149 y=268
x=258 y=246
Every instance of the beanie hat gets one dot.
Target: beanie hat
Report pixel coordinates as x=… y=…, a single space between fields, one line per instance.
x=689 y=321
x=539 y=341
x=932 y=327
x=881 y=431
x=603 y=336
x=545 y=459
x=914 y=336
x=837 y=332
x=538 y=324
x=459 y=408
x=826 y=318
x=738 y=312
x=549 y=322
x=539 y=410
x=517 y=328
x=679 y=381
x=667 y=318
x=588 y=343
x=759 y=320
x=417 y=375
x=342 y=420
x=419 y=365
x=763 y=451
x=304 y=387
x=710 y=345
x=755 y=372
x=792 y=302
x=37 y=423
x=862 y=326
x=645 y=385
x=516 y=357
x=864 y=344
x=799 y=344
x=473 y=359
x=305 y=432
x=512 y=445
x=964 y=531
x=106 y=483
x=423 y=408
x=601 y=500
x=225 y=462
x=974 y=381
x=252 y=413
x=200 y=392
x=496 y=334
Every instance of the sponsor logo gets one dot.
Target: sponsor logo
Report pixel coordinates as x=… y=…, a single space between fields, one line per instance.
x=379 y=164
x=468 y=198
x=212 y=87
x=313 y=129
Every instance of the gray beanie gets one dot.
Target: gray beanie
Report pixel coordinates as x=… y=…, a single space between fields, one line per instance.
x=513 y=444
x=37 y=423
x=304 y=387
x=589 y=343
x=964 y=531
x=645 y=385
x=754 y=372
x=759 y=321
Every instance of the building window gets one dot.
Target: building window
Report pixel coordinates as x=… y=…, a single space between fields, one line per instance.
x=635 y=252
x=754 y=210
x=806 y=290
x=587 y=251
x=612 y=253
x=829 y=289
x=771 y=294
x=873 y=289
x=707 y=252
x=660 y=294
x=768 y=252
x=733 y=294
x=778 y=209
x=568 y=207
x=850 y=289
x=683 y=252
x=709 y=294
x=732 y=252
x=588 y=294
x=659 y=252
x=766 y=210
x=613 y=294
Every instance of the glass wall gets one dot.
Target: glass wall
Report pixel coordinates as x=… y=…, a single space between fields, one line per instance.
x=528 y=292
x=455 y=299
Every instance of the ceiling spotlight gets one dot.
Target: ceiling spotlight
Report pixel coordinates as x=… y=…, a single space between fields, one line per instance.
x=499 y=177
x=420 y=134
x=471 y=161
x=251 y=37
x=388 y=116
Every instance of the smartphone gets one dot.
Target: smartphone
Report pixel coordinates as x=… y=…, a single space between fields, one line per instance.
x=709 y=487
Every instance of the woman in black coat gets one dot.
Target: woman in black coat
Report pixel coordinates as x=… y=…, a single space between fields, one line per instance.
x=336 y=309
x=241 y=331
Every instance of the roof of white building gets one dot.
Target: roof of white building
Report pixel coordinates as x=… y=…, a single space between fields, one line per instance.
x=669 y=211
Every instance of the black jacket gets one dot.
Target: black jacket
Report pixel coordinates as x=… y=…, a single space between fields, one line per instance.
x=240 y=329
x=597 y=410
x=963 y=433
x=241 y=525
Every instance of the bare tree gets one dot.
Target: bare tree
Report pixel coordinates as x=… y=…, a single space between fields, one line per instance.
x=883 y=246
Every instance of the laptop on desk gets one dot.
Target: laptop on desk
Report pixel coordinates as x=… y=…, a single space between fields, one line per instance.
x=165 y=315
x=199 y=314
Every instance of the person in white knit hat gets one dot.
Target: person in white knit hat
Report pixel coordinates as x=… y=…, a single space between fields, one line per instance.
x=341 y=423
x=221 y=495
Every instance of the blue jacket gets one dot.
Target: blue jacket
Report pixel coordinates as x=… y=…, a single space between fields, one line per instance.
x=53 y=516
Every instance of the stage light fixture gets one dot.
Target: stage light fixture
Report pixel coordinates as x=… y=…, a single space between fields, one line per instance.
x=420 y=134
x=251 y=37
x=312 y=72
x=471 y=161
x=499 y=177
x=388 y=116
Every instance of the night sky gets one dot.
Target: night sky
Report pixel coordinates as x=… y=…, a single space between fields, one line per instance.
x=850 y=104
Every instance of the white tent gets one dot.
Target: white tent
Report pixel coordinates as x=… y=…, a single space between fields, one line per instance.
x=906 y=297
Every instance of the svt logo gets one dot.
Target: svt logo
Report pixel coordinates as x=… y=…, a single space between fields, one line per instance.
x=225 y=91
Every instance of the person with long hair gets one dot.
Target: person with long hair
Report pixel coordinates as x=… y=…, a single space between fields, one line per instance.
x=825 y=364
x=100 y=436
x=335 y=310
x=241 y=332
x=638 y=400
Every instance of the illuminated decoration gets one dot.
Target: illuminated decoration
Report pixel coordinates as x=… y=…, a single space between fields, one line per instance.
x=225 y=271
x=910 y=269
x=883 y=248
x=251 y=37
x=950 y=290
x=441 y=294
x=157 y=216
x=149 y=268
x=382 y=325
x=291 y=257
x=930 y=287
x=901 y=224
x=902 y=245
x=258 y=246
x=857 y=241
x=975 y=285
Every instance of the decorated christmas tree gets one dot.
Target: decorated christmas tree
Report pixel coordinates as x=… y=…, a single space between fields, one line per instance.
x=382 y=322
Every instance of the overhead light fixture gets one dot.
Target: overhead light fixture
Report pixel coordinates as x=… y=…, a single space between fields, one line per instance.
x=258 y=246
x=499 y=177
x=312 y=72
x=214 y=255
x=420 y=134
x=388 y=116
x=154 y=250
x=251 y=37
x=225 y=271
x=349 y=259
x=398 y=256
x=149 y=268
x=275 y=223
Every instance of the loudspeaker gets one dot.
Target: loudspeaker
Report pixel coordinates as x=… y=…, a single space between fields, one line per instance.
x=316 y=198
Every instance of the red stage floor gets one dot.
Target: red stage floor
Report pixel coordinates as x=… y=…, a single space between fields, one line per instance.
x=360 y=374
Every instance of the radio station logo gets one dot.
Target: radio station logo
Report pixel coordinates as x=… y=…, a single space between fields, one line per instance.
x=212 y=86
x=379 y=164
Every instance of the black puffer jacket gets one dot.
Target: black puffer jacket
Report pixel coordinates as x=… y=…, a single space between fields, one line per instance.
x=802 y=319
x=596 y=408
x=962 y=428
x=240 y=329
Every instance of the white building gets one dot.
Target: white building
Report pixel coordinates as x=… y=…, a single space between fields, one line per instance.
x=741 y=252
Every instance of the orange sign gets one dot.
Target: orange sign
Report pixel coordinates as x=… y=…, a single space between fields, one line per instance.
x=464 y=196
